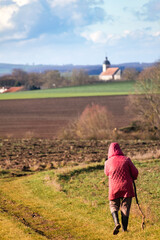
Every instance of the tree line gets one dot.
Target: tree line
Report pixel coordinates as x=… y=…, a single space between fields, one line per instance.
x=47 y=79
x=54 y=79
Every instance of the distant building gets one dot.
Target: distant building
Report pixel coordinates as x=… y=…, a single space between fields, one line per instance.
x=2 y=90
x=109 y=73
x=11 y=89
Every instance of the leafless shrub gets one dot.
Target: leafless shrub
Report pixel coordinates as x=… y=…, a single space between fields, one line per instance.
x=95 y=122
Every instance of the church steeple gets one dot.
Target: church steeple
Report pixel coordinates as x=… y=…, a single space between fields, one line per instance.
x=106 y=64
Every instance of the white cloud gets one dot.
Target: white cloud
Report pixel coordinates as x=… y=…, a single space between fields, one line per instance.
x=133 y=37
x=137 y=34
x=126 y=33
x=156 y=34
x=14 y=36
x=60 y=3
x=47 y=16
x=95 y=37
x=100 y=37
x=150 y=11
x=77 y=16
x=21 y=3
x=6 y=13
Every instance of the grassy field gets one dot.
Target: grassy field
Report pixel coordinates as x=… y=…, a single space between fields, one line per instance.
x=72 y=203
x=101 y=89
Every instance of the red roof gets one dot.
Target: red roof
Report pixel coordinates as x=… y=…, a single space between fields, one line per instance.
x=109 y=71
x=14 y=89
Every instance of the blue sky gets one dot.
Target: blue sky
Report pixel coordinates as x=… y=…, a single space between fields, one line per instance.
x=79 y=31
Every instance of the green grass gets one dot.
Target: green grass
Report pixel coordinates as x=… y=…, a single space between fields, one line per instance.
x=101 y=89
x=11 y=229
x=72 y=203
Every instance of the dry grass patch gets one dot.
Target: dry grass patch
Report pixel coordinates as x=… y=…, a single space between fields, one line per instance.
x=151 y=154
x=95 y=122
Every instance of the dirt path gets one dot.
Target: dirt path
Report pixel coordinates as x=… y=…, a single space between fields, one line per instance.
x=45 y=117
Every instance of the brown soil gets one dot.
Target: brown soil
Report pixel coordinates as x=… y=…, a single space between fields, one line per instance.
x=39 y=154
x=28 y=131
x=44 y=118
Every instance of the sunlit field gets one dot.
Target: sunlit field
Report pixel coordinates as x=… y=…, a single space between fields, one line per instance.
x=101 y=89
x=72 y=203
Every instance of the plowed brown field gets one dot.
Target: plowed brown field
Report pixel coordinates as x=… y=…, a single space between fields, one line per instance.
x=28 y=129
x=40 y=154
x=44 y=118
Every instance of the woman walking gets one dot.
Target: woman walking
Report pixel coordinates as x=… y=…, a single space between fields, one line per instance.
x=121 y=172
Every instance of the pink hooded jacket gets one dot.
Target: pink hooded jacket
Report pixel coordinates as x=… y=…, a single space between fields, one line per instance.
x=121 y=172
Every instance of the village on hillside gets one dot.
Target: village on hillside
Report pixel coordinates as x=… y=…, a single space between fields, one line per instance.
x=21 y=80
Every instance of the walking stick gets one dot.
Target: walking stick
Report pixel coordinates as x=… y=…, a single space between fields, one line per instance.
x=143 y=217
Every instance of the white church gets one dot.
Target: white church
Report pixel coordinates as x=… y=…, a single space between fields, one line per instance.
x=109 y=73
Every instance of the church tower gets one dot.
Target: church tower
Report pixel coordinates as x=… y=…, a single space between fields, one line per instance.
x=106 y=64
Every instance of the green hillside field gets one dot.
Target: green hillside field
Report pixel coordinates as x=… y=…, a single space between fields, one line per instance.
x=100 y=89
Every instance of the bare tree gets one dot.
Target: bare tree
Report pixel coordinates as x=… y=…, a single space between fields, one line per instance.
x=7 y=81
x=146 y=102
x=20 y=76
x=79 y=77
x=34 y=81
x=52 y=79
x=130 y=74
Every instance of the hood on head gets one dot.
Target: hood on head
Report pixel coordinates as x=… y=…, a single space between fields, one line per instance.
x=114 y=149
